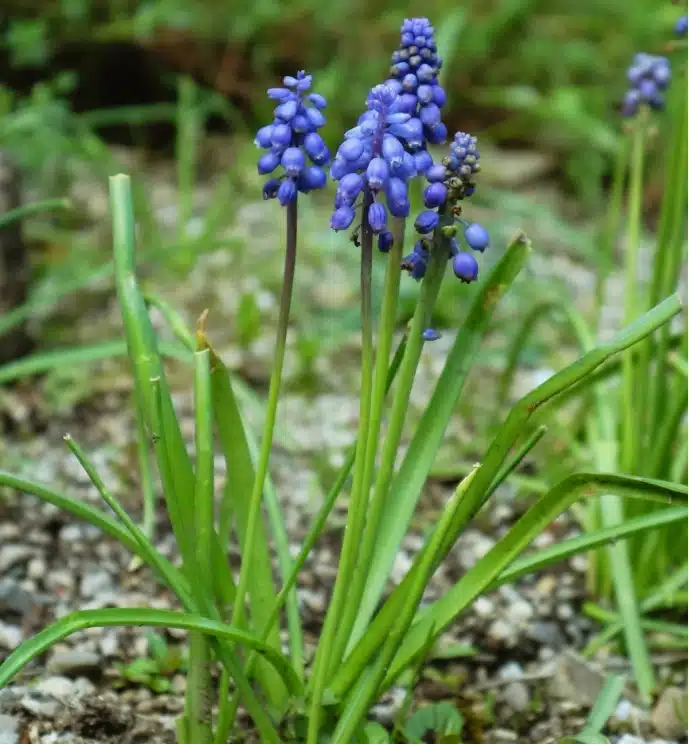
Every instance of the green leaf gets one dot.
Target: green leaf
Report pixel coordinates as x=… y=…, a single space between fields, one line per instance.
x=408 y=482
x=582 y=485
x=235 y=502
x=26 y=210
x=374 y=733
x=441 y=718
x=84 y=619
x=36 y=364
x=605 y=705
x=174 y=464
x=97 y=518
x=560 y=551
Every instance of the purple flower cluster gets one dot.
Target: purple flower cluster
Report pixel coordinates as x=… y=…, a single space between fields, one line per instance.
x=681 y=26
x=373 y=158
x=448 y=184
x=294 y=133
x=648 y=75
x=414 y=73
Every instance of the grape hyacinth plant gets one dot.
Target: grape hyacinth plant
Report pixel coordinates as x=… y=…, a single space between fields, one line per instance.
x=246 y=624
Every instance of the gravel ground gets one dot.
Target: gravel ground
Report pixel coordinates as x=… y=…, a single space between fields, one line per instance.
x=525 y=683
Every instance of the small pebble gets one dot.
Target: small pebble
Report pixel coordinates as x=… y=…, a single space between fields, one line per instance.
x=484 y=607
x=516 y=696
x=667 y=713
x=500 y=734
x=36 y=569
x=74 y=662
x=511 y=671
x=11 y=555
x=9 y=729
x=58 y=687
x=59 y=580
x=10 y=636
x=501 y=631
x=14 y=599
x=564 y=611
x=109 y=644
x=94 y=583
x=43 y=708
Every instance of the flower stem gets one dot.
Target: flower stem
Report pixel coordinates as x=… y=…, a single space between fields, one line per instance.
x=325 y=661
x=271 y=412
x=606 y=242
x=670 y=248
x=386 y=329
x=198 y=703
x=631 y=436
x=317 y=527
x=400 y=403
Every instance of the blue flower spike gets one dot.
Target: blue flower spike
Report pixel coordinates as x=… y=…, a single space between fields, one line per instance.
x=648 y=75
x=681 y=26
x=375 y=158
x=449 y=183
x=415 y=69
x=292 y=140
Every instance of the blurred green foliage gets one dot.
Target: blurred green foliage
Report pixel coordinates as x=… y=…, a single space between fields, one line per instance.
x=546 y=73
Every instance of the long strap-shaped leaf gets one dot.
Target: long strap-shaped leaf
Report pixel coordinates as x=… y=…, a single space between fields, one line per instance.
x=88 y=513
x=498 y=452
x=583 y=485
x=605 y=536
x=240 y=475
x=509 y=569
x=84 y=619
x=407 y=484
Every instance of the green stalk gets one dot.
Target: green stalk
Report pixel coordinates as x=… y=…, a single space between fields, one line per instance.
x=606 y=457
x=407 y=485
x=359 y=702
x=130 y=535
x=385 y=332
x=172 y=576
x=310 y=540
x=657 y=599
x=513 y=463
x=667 y=436
x=430 y=287
x=271 y=412
x=498 y=451
x=187 y=138
x=606 y=247
x=145 y=471
x=605 y=704
x=198 y=699
x=633 y=388
x=654 y=626
x=671 y=252
x=159 y=414
x=443 y=612
x=325 y=660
